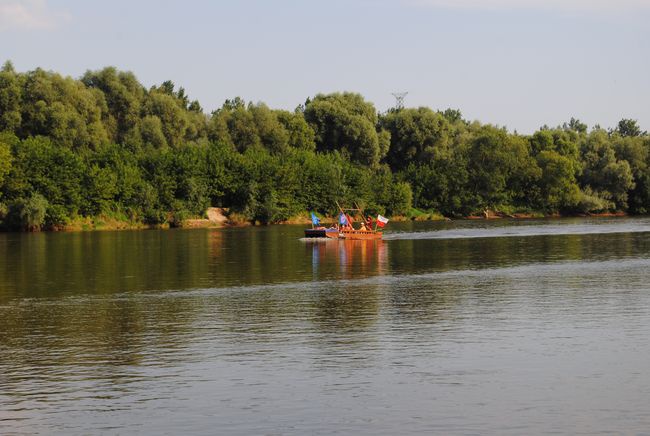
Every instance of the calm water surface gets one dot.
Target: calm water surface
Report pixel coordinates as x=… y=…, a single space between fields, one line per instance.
x=478 y=327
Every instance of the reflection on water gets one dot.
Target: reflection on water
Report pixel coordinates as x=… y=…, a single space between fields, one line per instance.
x=347 y=259
x=532 y=327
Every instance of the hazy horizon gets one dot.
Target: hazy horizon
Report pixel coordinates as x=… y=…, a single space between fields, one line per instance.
x=519 y=64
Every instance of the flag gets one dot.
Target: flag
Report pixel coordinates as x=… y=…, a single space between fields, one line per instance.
x=342 y=219
x=381 y=221
x=314 y=219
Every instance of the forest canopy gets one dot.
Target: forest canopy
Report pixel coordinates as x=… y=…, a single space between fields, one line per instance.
x=105 y=145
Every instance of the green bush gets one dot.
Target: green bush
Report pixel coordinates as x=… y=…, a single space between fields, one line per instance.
x=590 y=201
x=401 y=199
x=177 y=217
x=28 y=213
x=56 y=216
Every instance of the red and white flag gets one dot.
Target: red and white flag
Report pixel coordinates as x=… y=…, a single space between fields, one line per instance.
x=381 y=221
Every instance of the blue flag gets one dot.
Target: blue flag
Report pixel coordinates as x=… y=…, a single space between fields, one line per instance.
x=314 y=219
x=342 y=219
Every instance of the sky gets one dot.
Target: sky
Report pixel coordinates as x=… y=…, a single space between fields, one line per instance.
x=514 y=63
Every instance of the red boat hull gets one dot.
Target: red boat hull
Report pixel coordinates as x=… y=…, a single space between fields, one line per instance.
x=343 y=234
x=359 y=234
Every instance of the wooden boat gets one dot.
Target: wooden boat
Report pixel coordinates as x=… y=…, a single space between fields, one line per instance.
x=359 y=234
x=346 y=230
x=350 y=234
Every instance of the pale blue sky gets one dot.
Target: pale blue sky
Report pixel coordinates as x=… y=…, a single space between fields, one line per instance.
x=518 y=63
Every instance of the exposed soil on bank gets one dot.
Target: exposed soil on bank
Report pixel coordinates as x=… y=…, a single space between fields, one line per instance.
x=216 y=217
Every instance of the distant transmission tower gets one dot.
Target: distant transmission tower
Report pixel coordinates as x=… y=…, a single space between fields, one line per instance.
x=399 y=99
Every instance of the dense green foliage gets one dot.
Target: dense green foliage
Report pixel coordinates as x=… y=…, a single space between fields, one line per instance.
x=104 y=145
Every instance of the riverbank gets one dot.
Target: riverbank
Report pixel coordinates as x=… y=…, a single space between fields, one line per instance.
x=216 y=217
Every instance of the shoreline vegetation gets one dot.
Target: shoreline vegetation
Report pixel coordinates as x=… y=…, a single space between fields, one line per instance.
x=104 y=152
x=222 y=220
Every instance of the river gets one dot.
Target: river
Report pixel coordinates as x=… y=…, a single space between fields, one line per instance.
x=468 y=327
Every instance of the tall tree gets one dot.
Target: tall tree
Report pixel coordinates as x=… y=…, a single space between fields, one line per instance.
x=10 y=98
x=346 y=122
x=628 y=127
x=123 y=95
x=416 y=135
x=606 y=175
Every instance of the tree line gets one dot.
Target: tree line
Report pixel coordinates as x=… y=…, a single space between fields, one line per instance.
x=105 y=145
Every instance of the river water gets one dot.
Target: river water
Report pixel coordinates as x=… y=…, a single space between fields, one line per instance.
x=472 y=327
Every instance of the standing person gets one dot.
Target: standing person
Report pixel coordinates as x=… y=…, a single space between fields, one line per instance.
x=343 y=221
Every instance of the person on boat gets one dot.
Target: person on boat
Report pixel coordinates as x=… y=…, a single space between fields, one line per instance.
x=348 y=223
x=369 y=223
x=363 y=226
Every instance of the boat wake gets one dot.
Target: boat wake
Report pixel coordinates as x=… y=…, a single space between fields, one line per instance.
x=522 y=231
x=549 y=271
